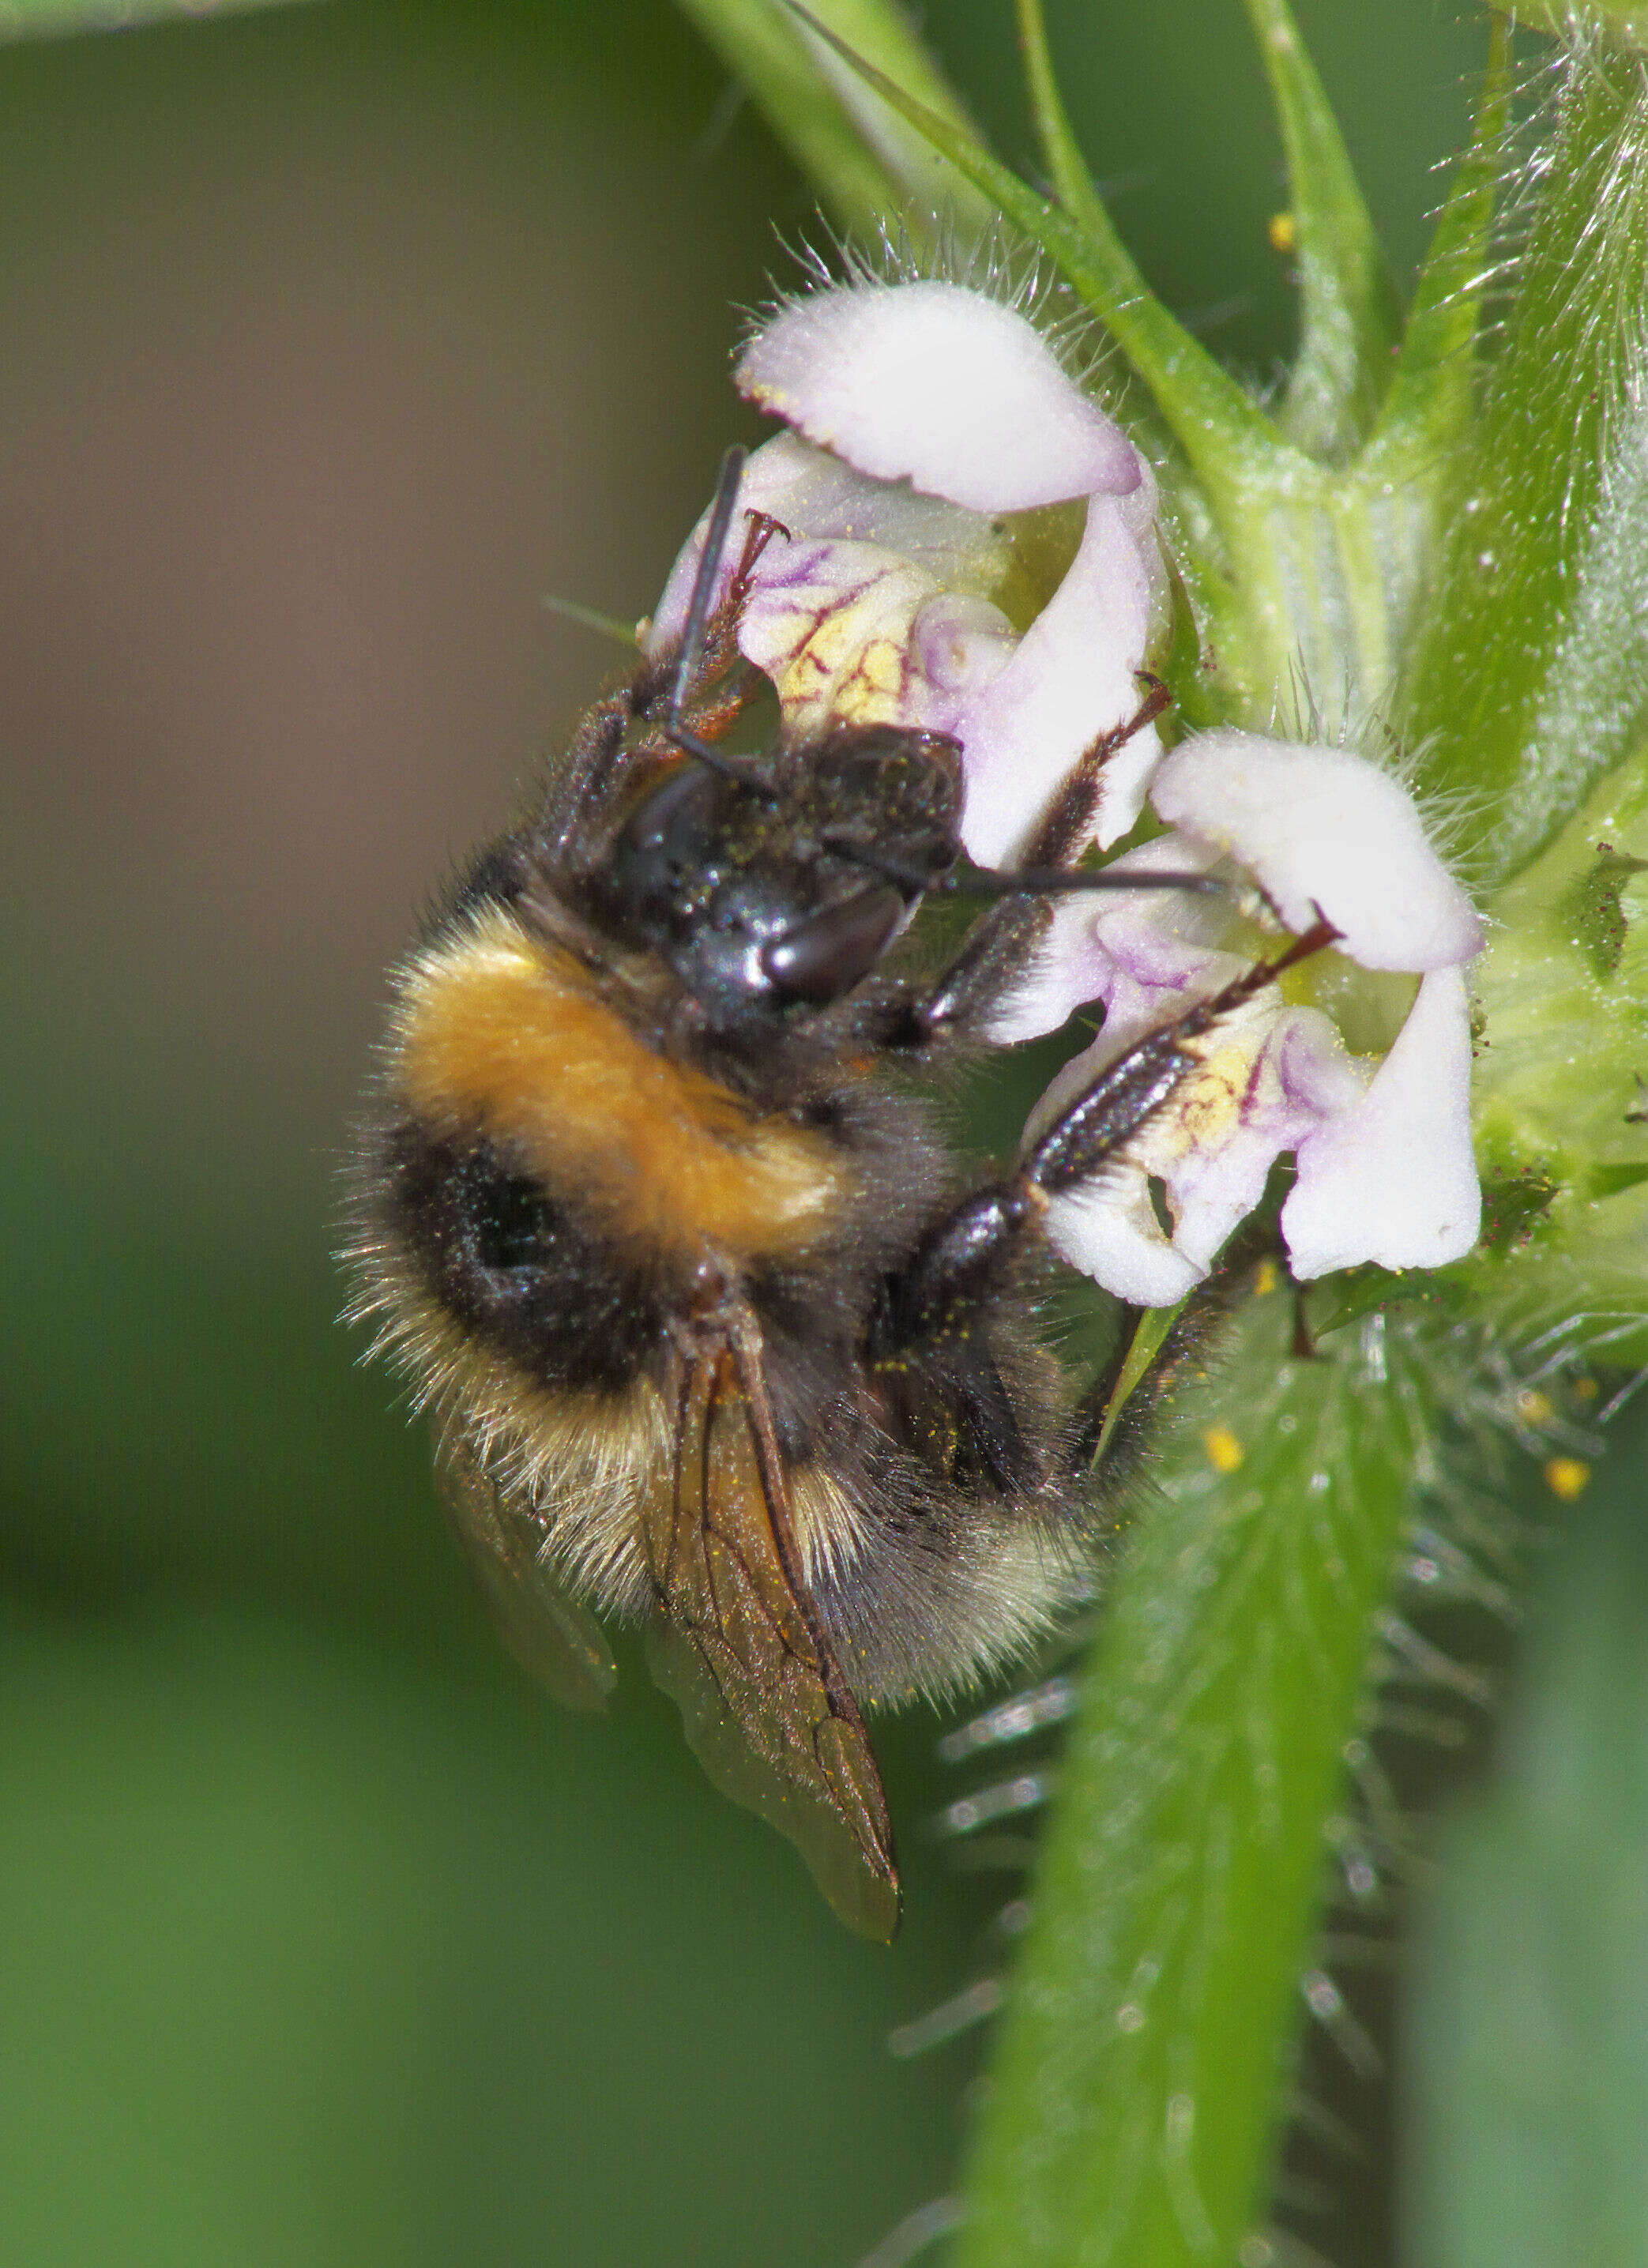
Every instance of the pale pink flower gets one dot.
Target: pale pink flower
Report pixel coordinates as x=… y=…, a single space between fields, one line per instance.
x=923 y=415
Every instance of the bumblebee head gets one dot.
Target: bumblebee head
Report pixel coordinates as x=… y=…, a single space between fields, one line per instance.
x=783 y=880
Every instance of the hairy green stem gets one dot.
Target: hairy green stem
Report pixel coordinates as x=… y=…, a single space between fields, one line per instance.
x=1135 y=2108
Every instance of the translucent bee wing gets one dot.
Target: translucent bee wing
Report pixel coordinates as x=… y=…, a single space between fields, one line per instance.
x=736 y=1648
x=545 y=1630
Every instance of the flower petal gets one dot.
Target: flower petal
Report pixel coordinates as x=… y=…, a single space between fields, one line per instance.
x=1323 y=827
x=938 y=385
x=1268 y=1078
x=1300 y=1073
x=852 y=633
x=1072 y=677
x=1110 y=1233
x=1393 y=1180
x=1141 y=954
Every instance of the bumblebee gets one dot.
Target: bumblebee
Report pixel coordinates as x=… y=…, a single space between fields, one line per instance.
x=652 y=1209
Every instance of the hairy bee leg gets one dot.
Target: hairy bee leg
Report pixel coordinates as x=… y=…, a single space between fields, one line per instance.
x=961 y=1255
x=724 y=683
x=1067 y=823
x=995 y=949
x=1131 y=1089
x=957 y=1004
x=595 y=748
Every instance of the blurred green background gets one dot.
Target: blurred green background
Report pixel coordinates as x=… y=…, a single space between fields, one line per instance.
x=335 y=338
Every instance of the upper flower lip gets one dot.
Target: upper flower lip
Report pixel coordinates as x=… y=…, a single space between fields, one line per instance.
x=1325 y=826
x=935 y=384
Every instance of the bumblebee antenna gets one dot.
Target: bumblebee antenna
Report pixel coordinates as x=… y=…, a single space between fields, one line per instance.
x=1023 y=882
x=1054 y=881
x=699 y=606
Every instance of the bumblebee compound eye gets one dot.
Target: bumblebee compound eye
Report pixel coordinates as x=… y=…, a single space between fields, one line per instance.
x=822 y=957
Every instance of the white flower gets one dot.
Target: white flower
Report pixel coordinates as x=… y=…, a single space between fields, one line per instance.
x=1383 y=1144
x=923 y=414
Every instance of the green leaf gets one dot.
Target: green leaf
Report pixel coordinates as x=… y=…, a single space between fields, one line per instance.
x=1350 y=321
x=1623 y=19
x=1531 y=681
x=1358 y=1292
x=1150 y=1335
x=1528 y=2055
x=591 y=618
x=863 y=158
x=1134 y=2109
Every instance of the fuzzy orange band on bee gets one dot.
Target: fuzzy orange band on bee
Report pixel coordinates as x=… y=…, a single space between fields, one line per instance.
x=501 y=1032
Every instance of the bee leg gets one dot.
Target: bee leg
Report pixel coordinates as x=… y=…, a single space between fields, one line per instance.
x=957 y=1004
x=1093 y=1126
x=964 y=1258
x=595 y=748
x=1067 y=822
x=931 y=1350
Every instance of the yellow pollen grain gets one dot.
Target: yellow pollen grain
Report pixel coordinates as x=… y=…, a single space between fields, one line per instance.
x=1585 y=1388
x=1535 y=1408
x=1224 y=1452
x=1565 y=1477
x=1283 y=231
x=1266 y=1278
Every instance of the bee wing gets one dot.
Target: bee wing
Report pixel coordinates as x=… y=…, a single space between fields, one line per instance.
x=545 y=1630
x=737 y=1647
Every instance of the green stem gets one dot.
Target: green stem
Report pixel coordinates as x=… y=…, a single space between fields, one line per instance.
x=1432 y=395
x=1136 y=2098
x=1224 y=435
